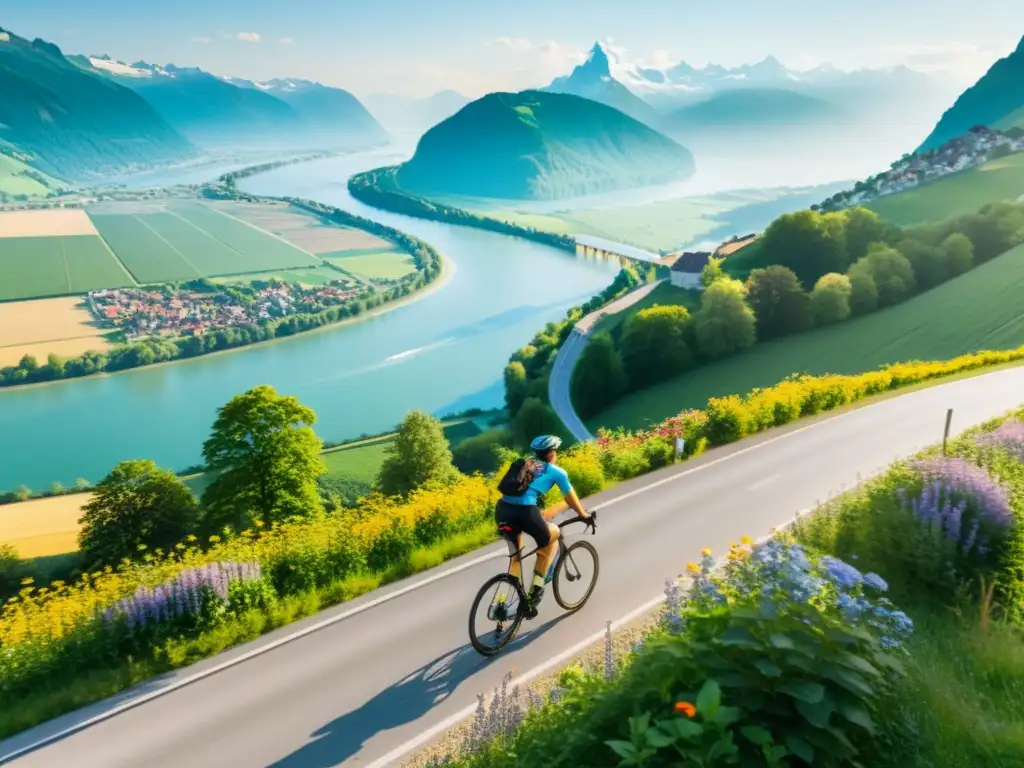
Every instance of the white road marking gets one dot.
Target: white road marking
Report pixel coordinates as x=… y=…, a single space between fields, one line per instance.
x=763 y=483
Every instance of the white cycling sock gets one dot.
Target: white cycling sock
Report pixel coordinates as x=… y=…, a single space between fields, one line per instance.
x=538 y=580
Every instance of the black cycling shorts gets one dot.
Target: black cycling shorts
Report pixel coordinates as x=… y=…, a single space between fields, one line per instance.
x=527 y=519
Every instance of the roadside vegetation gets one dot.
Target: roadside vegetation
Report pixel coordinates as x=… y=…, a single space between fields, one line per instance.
x=171 y=581
x=884 y=629
x=829 y=287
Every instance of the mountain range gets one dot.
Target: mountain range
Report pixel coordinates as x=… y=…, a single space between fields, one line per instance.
x=995 y=101
x=405 y=115
x=540 y=145
x=214 y=111
x=73 y=123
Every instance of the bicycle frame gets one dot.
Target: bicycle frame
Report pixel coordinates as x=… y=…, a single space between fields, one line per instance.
x=510 y=539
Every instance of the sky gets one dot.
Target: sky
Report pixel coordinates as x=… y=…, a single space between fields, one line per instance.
x=415 y=48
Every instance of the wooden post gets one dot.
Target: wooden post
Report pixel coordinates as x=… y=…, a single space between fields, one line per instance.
x=945 y=433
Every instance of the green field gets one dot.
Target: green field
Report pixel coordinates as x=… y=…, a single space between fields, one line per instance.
x=191 y=241
x=388 y=265
x=978 y=310
x=35 y=267
x=13 y=182
x=311 y=276
x=955 y=195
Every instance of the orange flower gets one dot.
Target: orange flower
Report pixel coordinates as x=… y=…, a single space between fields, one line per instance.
x=685 y=708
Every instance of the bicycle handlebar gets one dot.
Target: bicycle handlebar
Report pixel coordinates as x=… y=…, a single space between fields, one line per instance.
x=590 y=522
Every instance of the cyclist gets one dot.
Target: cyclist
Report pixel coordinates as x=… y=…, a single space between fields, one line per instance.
x=523 y=513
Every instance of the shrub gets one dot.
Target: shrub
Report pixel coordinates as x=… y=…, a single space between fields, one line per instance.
x=728 y=419
x=830 y=299
x=778 y=301
x=480 y=452
x=891 y=272
x=391 y=546
x=724 y=324
x=536 y=418
x=957 y=254
x=583 y=465
x=863 y=291
x=653 y=345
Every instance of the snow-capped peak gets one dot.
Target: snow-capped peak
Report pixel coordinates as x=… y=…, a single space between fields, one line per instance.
x=118 y=68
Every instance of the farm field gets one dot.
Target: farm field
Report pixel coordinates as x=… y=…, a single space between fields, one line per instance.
x=37 y=267
x=184 y=240
x=387 y=264
x=978 y=310
x=303 y=229
x=44 y=326
x=955 y=195
x=311 y=276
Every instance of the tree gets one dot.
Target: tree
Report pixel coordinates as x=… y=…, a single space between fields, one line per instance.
x=724 y=323
x=830 y=299
x=653 y=344
x=418 y=455
x=957 y=254
x=266 y=458
x=515 y=386
x=809 y=243
x=12 y=571
x=928 y=262
x=598 y=377
x=779 y=302
x=891 y=271
x=536 y=418
x=712 y=271
x=138 y=504
x=863 y=291
x=864 y=228
x=480 y=453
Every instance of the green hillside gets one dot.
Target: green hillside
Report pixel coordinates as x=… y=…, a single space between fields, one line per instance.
x=955 y=195
x=997 y=95
x=75 y=122
x=1013 y=120
x=978 y=310
x=535 y=145
x=17 y=180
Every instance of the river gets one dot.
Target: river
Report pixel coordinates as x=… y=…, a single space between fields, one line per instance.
x=441 y=353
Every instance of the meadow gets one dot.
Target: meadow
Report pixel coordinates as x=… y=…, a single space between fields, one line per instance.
x=955 y=195
x=38 y=267
x=42 y=327
x=13 y=180
x=989 y=315
x=387 y=264
x=306 y=276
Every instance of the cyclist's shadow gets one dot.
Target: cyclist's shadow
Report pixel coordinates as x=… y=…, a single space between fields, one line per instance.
x=405 y=701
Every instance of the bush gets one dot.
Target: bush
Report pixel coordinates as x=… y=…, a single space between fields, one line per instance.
x=891 y=272
x=724 y=324
x=12 y=571
x=957 y=254
x=480 y=453
x=728 y=420
x=536 y=418
x=863 y=291
x=653 y=345
x=598 y=377
x=928 y=261
x=583 y=465
x=830 y=299
x=778 y=301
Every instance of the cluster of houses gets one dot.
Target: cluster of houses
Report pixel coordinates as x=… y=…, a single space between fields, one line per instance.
x=141 y=312
x=977 y=146
x=686 y=266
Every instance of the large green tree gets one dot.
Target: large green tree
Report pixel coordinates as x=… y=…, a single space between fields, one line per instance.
x=810 y=243
x=779 y=302
x=957 y=254
x=536 y=418
x=930 y=267
x=724 y=323
x=516 y=386
x=266 y=458
x=418 y=455
x=654 y=346
x=891 y=271
x=137 y=504
x=597 y=378
x=863 y=229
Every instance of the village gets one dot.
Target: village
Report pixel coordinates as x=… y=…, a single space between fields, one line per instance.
x=979 y=145
x=169 y=312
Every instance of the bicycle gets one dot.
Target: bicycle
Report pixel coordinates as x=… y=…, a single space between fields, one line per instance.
x=501 y=610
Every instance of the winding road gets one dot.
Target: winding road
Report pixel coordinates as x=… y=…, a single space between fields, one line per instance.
x=364 y=683
x=569 y=352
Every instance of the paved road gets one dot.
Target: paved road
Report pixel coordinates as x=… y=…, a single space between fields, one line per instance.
x=352 y=692
x=565 y=360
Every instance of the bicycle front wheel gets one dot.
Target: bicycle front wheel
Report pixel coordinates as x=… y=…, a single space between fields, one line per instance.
x=497 y=612
x=576 y=575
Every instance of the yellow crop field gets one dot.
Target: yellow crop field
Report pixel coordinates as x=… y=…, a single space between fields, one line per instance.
x=59 y=326
x=42 y=527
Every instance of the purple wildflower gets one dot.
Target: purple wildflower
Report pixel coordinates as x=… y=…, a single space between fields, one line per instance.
x=876 y=582
x=961 y=480
x=1009 y=436
x=842 y=574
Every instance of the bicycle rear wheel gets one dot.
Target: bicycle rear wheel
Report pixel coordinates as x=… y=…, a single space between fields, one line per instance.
x=578 y=567
x=503 y=603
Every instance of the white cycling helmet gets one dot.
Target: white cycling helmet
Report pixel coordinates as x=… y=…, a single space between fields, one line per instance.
x=545 y=443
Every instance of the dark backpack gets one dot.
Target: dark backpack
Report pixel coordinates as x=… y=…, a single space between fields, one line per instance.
x=519 y=476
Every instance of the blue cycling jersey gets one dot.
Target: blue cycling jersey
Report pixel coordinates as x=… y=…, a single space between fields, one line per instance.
x=549 y=476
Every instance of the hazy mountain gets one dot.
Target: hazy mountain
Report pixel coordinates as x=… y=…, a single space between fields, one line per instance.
x=75 y=123
x=217 y=111
x=996 y=100
x=594 y=80
x=540 y=145
x=746 y=108
x=401 y=114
